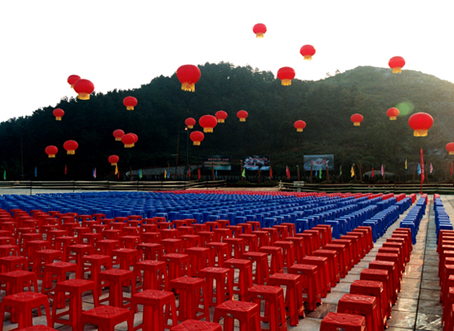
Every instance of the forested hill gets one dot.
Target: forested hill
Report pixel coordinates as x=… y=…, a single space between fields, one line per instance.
x=158 y=120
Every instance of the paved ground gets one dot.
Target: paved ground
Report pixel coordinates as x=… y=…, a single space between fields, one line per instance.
x=418 y=306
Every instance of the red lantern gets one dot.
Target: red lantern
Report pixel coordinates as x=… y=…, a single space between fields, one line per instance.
x=396 y=63
x=307 y=51
x=196 y=137
x=286 y=74
x=136 y=138
x=188 y=75
x=208 y=122
x=299 y=125
x=70 y=146
x=221 y=116
x=130 y=103
x=113 y=159
x=450 y=148
x=84 y=88
x=420 y=123
x=51 y=151
x=259 y=29
x=356 y=119
x=58 y=113
x=118 y=134
x=392 y=113
x=190 y=122
x=242 y=115
x=72 y=79
x=128 y=140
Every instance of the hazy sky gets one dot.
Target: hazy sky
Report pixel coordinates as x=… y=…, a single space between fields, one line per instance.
x=124 y=44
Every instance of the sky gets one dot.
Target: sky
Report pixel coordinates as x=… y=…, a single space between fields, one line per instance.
x=125 y=44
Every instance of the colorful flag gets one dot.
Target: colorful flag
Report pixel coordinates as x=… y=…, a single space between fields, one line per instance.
x=271 y=173
x=352 y=171
x=287 y=172
x=4 y=174
x=422 y=166
x=36 y=171
x=419 y=169
x=372 y=176
x=165 y=173
x=382 y=170
x=320 y=173
x=216 y=174
x=118 y=174
x=189 y=172
x=168 y=173
x=244 y=173
x=140 y=173
x=116 y=169
x=340 y=171
x=198 y=173
x=431 y=168
x=94 y=173
x=405 y=163
x=66 y=169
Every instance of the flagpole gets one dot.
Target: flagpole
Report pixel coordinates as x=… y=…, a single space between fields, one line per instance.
x=298 y=171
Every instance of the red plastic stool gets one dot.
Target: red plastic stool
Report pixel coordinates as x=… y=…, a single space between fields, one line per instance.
x=361 y=242
x=380 y=276
x=247 y=313
x=31 y=247
x=117 y=278
x=7 y=250
x=392 y=272
x=95 y=264
x=392 y=258
x=344 y=322
x=364 y=305
x=448 y=313
x=193 y=325
x=236 y=247
x=206 y=237
x=178 y=265
x=246 y=228
x=288 y=252
x=51 y=235
x=158 y=308
x=38 y=327
x=62 y=243
x=394 y=250
x=300 y=249
x=401 y=241
x=106 y=246
x=131 y=231
x=261 y=274
x=282 y=231
x=223 y=223
x=21 y=306
x=220 y=253
x=151 y=237
x=106 y=317
x=75 y=288
x=90 y=238
x=169 y=233
x=322 y=263
x=272 y=235
x=154 y=274
x=75 y=253
x=193 y=294
x=211 y=225
x=244 y=275
x=369 y=237
x=326 y=233
x=236 y=230
x=293 y=294
x=57 y=271
x=315 y=239
x=199 y=228
x=276 y=258
x=15 y=281
x=125 y=257
x=172 y=245
x=333 y=262
x=263 y=238
x=191 y=240
x=274 y=305
x=112 y=234
x=255 y=225
x=150 y=251
x=250 y=242
x=129 y=241
x=199 y=257
x=184 y=229
x=222 y=233
x=353 y=241
x=373 y=288
x=367 y=245
x=342 y=252
x=44 y=257
x=11 y=263
x=224 y=284
x=311 y=283
x=291 y=229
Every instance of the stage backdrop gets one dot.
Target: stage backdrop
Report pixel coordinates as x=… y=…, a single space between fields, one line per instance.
x=319 y=162
x=256 y=162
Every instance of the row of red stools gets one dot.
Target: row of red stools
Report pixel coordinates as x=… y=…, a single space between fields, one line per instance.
x=368 y=305
x=445 y=248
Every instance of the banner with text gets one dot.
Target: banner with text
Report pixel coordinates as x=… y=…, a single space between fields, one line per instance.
x=217 y=162
x=256 y=162
x=319 y=162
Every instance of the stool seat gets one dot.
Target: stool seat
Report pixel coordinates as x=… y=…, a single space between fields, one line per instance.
x=154 y=302
x=117 y=278
x=247 y=313
x=193 y=294
x=106 y=317
x=224 y=284
x=194 y=325
x=345 y=322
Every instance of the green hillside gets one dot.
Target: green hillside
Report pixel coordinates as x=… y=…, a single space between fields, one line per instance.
x=158 y=120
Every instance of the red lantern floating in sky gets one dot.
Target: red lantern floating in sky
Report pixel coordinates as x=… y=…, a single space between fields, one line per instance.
x=72 y=79
x=450 y=148
x=84 y=88
x=128 y=140
x=136 y=138
x=307 y=51
x=118 y=134
x=113 y=159
x=396 y=63
x=130 y=103
x=299 y=125
x=420 y=123
x=221 y=116
x=70 y=146
x=188 y=75
x=58 y=113
x=51 y=151
x=286 y=74
x=259 y=29
x=356 y=119
x=208 y=122
x=190 y=122
x=196 y=137
x=242 y=115
x=392 y=113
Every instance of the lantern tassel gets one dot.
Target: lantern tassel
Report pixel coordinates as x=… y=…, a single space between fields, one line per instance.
x=196 y=143
x=220 y=120
x=356 y=124
x=420 y=133
x=58 y=118
x=392 y=118
x=83 y=96
x=308 y=57
x=286 y=82
x=397 y=70
x=188 y=87
x=129 y=108
x=51 y=156
x=259 y=35
x=208 y=130
x=242 y=120
x=299 y=130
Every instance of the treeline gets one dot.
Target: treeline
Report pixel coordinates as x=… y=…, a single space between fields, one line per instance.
x=158 y=120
